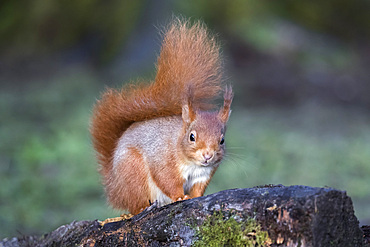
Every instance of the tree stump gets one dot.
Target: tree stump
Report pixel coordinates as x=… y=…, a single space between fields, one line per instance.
x=291 y=216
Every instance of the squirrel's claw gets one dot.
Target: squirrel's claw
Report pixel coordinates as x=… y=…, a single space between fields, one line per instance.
x=185 y=197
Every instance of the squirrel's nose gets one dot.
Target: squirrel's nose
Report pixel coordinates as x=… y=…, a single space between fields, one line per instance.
x=207 y=155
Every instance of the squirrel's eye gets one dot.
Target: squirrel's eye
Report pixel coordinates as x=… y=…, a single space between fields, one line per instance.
x=192 y=137
x=222 y=140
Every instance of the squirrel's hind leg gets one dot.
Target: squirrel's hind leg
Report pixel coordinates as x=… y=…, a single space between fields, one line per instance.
x=128 y=188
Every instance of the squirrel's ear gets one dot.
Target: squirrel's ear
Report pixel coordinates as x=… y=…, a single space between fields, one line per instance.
x=225 y=111
x=188 y=114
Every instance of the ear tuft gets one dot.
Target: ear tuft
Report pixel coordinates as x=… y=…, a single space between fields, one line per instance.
x=188 y=113
x=225 y=111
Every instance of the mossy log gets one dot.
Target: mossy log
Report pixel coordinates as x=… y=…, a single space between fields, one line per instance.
x=292 y=216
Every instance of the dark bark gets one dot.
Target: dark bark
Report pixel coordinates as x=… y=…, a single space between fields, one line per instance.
x=366 y=231
x=292 y=216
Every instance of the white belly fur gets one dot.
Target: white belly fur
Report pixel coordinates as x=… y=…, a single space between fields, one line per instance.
x=191 y=173
x=195 y=174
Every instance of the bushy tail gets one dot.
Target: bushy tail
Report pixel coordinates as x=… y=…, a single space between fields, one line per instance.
x=189 y=58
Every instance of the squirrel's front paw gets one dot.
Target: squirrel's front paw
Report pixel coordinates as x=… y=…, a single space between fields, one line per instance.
x=185 y=197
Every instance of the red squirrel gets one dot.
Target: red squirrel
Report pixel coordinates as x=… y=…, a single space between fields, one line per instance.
x=162 y=141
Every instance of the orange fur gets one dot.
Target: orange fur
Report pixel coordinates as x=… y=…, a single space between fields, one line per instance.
x=198 y=189
x=169 y=180
x=189 y=58
x=188 y=80
x=131 y=190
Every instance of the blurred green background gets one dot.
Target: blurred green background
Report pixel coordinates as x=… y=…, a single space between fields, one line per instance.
x=300 y=70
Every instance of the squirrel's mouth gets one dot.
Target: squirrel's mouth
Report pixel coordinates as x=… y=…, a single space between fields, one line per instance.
x=206 y=162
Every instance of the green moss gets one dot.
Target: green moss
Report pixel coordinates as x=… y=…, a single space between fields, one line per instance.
x=216 y=230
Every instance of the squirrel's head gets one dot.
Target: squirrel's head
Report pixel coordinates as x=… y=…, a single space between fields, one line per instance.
x=203 y=141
